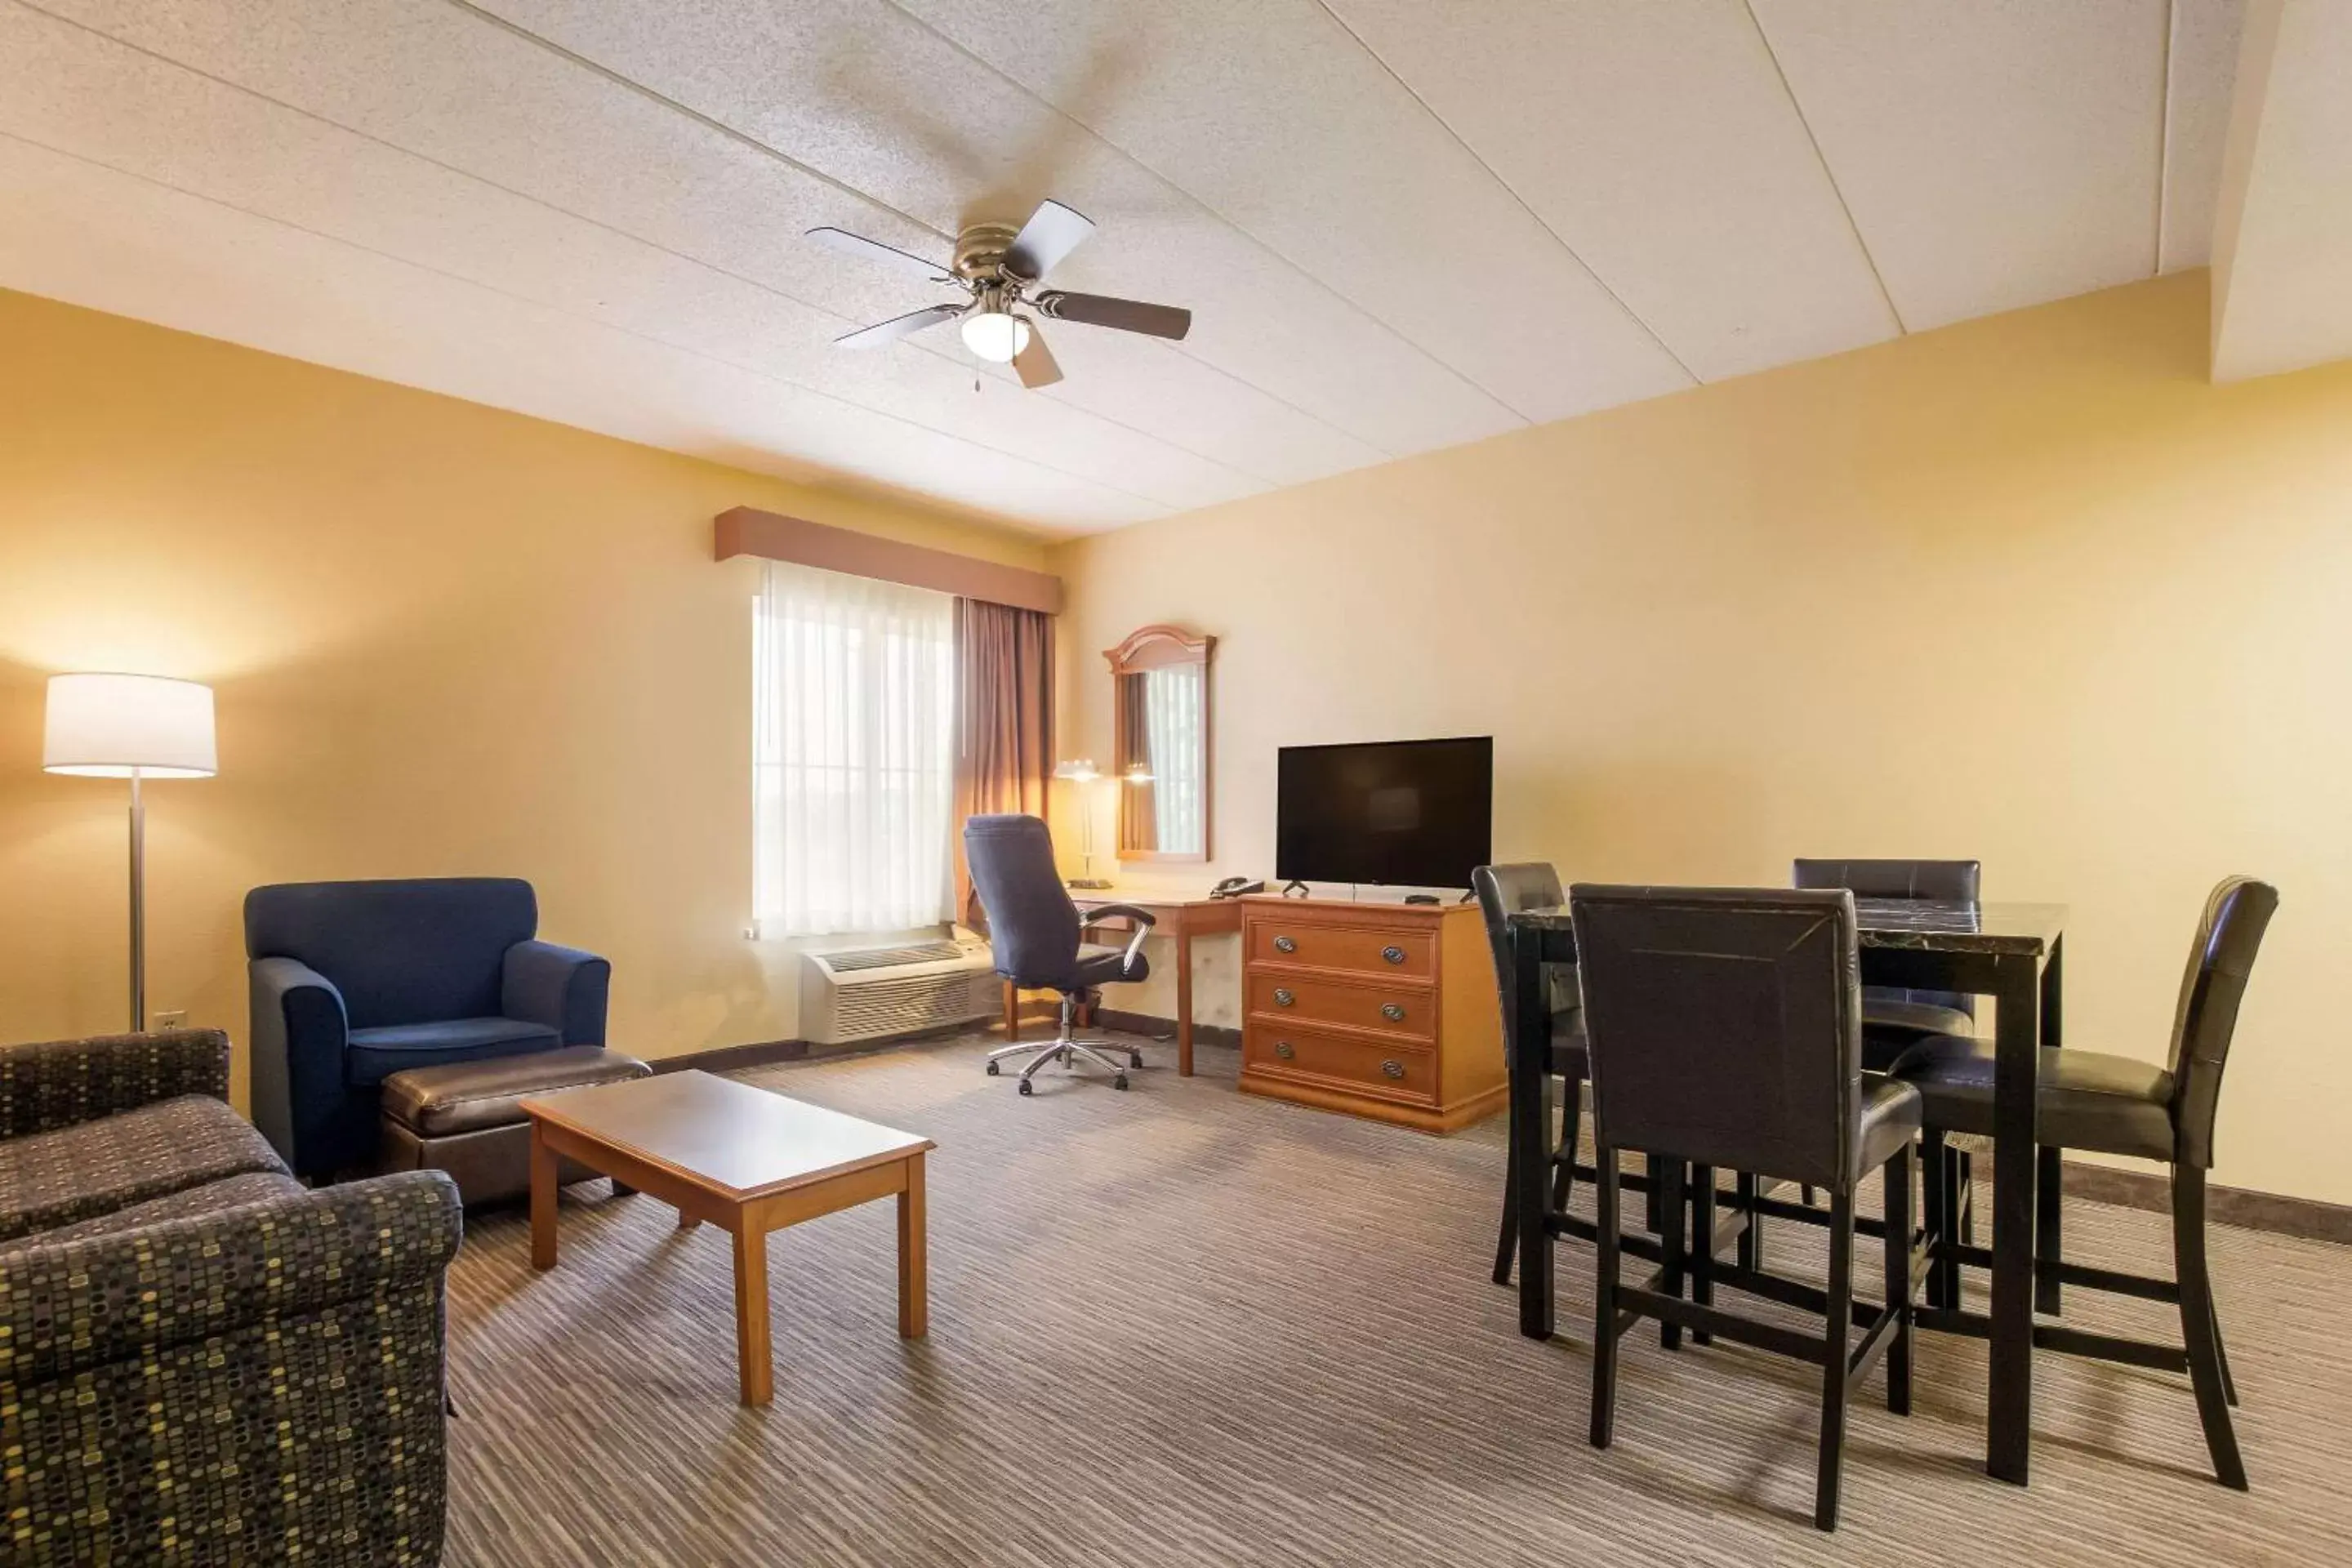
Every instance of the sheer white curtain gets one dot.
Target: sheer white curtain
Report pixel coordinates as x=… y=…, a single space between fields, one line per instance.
x=1171 y=721
x=853 y=753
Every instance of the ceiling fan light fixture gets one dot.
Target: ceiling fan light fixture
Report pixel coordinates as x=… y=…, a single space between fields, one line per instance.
x=997 y=336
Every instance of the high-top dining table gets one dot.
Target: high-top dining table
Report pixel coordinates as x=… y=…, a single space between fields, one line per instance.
x=2011 y=953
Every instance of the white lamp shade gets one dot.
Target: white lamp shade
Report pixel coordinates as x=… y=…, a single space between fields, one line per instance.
x=109 y=726
x=994 y=335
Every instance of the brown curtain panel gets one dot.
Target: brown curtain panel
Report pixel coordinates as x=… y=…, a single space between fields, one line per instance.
x=1005 y=719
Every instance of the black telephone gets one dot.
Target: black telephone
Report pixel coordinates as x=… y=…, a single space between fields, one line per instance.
x=1234 y=887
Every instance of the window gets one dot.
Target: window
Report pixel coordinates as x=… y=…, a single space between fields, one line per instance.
x=853 y=753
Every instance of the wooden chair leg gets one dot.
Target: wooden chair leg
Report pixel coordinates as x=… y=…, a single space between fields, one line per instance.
x=2049 y=1212
x=1935 y=1199
x=2220 y=1351
x=1507 y=1246
x=1751 y=1236
x=1703 y=1252
x=1673 y=1209
x=1572 y=1114
x=1835 y=1338
x=1961 y=1208
x=2199 y=1330
x=1899 y=1182
x=1604 y=1303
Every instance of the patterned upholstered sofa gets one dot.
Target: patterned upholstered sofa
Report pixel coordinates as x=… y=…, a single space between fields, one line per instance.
x=201 y=1360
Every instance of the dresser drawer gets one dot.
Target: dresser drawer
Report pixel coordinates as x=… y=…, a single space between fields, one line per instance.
x=1390 y=1071
x=1400 y=1009
x=1366 y=950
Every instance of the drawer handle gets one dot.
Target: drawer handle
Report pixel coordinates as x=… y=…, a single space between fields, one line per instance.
x=1393 y=955
x=1393 y=1067
x=1283 y=998
x=1392 y=1012
x=1284 y=945
x=1282 y=1048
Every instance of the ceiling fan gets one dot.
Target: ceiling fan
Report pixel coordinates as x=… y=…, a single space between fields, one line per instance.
x=999 y=270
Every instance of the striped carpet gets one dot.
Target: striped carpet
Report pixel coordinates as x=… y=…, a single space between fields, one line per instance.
x=1183 y=1325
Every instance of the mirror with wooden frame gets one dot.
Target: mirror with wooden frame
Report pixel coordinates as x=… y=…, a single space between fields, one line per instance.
x=1159 y=702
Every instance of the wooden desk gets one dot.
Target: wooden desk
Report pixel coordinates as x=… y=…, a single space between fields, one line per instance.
x=1182 y=917
x=749 y=1161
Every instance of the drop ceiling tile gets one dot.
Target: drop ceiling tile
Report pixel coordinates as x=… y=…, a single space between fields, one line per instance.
x=91 y=236
x=861 y=92
x=98 y=98
x=1660 y=143
x=2200 y=71
x=1993 y=154
x=1265 y=112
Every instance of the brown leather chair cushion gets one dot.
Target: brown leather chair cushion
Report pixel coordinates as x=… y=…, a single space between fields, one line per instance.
x=2109 y=1104
x=474 y=1097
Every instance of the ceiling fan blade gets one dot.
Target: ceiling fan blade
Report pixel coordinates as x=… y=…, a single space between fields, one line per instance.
x=857 y=245
x=897 y=327
x=1035 y=364
x=1127 y=315
x=1051 y=232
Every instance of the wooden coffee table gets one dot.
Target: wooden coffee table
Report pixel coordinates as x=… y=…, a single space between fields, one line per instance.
x=749 y=1161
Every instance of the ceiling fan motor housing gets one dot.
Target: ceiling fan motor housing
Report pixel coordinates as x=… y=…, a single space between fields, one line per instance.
x=980 y=255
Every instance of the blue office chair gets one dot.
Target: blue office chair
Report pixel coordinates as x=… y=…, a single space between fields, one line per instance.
x=1034 y=931
x=353 y=981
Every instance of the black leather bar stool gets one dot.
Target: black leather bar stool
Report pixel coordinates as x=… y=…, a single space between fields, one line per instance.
x=1893 y=1020
x=2122 y=1105
x=1504 y=892
x=1724 y=1031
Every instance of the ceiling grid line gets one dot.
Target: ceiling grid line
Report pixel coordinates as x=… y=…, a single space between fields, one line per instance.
x=720 y=126
x=1275 y=252
x=2164 y=131
x=653 y=95
x=1512 y=191
x=1781 y=71
x=948 y=358
x=663 y=343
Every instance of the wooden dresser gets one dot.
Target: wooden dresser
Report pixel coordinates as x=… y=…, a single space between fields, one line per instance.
x=1381 y=1010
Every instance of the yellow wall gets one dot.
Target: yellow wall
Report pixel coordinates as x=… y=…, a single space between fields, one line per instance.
x=444 y=640
x=2028 y=589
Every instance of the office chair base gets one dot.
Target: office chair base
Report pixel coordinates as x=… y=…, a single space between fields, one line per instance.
x=1066 y=1051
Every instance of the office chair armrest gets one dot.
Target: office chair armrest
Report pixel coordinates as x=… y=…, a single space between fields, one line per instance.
x=1142 y=919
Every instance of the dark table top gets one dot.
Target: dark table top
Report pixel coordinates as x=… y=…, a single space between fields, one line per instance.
x=1921 y=924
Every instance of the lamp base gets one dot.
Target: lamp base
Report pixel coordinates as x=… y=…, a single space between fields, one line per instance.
x=1088 y=884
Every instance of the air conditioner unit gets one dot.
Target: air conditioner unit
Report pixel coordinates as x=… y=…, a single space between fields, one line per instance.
x=873 y=993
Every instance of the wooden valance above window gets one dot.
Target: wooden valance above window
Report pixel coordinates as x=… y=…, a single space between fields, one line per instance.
x=772 y=536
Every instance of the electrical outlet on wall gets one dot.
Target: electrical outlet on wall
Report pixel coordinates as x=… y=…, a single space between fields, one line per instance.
x=177 y=1018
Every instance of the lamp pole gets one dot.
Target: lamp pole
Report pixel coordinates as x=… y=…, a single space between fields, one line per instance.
x=137 y=909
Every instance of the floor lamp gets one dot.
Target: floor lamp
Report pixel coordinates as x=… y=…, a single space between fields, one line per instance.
x=133 y=726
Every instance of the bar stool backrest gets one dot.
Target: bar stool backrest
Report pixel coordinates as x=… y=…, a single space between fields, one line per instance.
x=2236 y=915
x=1725 y=1026
x=1505 y=891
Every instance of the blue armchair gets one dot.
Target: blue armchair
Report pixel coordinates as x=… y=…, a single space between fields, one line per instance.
x=353 y=981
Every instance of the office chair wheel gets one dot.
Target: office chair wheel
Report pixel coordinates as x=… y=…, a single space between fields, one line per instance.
x=993 y=1070
x=1025 y=1088
x=1120 y=1082
x=1135 y=1059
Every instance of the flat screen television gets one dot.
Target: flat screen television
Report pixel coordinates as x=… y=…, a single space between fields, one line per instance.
x=1410 y=814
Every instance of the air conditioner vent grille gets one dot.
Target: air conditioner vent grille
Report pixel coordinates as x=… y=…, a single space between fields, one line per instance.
x=917 y=1002
x=888 y=957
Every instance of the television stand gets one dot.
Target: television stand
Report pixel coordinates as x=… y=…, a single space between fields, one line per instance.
x=1381 y=1010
